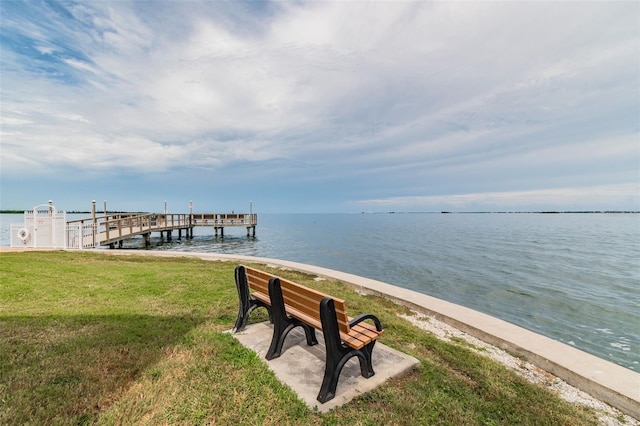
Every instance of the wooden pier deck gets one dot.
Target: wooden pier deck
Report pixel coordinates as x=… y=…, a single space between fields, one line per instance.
x=113 y=229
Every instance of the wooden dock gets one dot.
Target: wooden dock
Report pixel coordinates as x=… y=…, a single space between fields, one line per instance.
x=112 y=229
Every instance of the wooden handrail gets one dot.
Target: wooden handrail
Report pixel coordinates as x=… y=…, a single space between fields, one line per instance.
x=113 y=227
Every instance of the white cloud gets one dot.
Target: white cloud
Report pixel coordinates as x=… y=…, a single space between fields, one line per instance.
x=588 y=198
x=80 y=65
x=402 y=96
x=45 y=50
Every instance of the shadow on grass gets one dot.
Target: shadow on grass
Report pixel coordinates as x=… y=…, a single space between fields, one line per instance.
x=66 y=369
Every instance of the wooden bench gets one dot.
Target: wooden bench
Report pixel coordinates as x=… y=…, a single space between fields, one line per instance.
x=293 y=305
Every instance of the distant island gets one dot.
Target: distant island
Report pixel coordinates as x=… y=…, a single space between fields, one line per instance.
x=515 y=212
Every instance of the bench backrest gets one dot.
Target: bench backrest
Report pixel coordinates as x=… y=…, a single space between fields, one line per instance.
x=258 y=280
x=301 y=301
x=306 y=301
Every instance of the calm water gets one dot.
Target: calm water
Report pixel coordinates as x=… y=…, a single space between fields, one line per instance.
x=572 y=277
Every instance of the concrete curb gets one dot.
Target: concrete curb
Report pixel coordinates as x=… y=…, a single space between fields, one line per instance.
x=604 y=380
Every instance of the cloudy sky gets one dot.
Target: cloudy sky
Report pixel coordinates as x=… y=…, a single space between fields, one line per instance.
x=320 y=106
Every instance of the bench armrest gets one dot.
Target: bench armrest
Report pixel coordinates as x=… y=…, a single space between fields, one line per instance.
x=363 y=317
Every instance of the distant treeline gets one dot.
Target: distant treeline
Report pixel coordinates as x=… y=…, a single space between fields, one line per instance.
x=515 y=212
x=561 y=212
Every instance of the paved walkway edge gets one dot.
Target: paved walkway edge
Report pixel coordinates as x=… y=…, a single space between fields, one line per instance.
x=604 y=380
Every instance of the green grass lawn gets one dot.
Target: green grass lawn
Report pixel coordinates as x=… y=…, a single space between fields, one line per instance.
x=89 y=338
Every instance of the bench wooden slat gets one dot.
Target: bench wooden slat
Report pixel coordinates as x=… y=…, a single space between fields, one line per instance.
x=341 y=315
x=261 y=297
x=303 y=303
x=313 y=322
x=351 y=341
x=366 y=325
x=365 y=332
x=298 y=298
x=299 y=289
x=356 y=339
x=258 y=280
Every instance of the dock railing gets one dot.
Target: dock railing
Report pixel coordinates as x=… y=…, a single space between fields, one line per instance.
x=224 y=219
x=111 y=228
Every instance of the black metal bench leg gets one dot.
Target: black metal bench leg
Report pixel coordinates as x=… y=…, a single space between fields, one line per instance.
x=243 y=295
x=366 y=365
x=332 y=369
x=329 y=381
x=280 y=331
x=282 y=323
x=310 y=334
x=243 y=314
x=338 y=354
x=247 y=304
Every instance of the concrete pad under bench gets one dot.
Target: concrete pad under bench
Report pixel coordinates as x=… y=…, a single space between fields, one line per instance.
x=301 y=367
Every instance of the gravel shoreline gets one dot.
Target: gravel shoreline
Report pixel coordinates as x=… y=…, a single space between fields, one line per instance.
x=607 y=415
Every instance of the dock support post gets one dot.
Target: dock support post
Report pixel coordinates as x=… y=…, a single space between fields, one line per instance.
x=180 y=233
x=168 y=235
x=147 y=240
x=94 y=221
